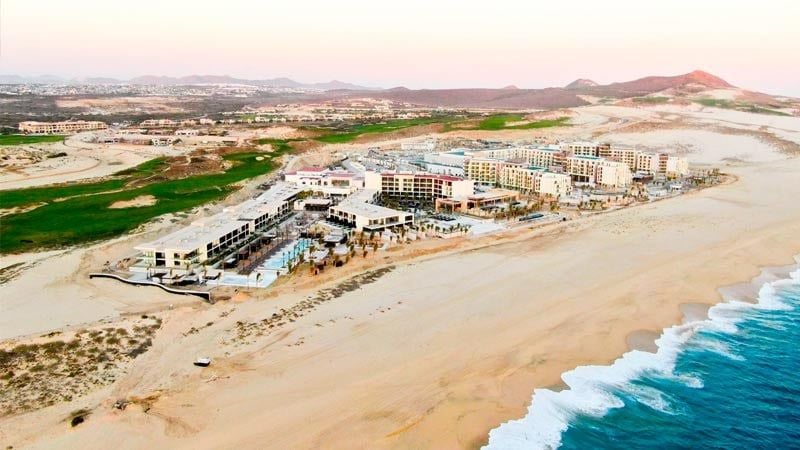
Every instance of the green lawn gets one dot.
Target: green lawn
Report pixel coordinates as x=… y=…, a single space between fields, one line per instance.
x=17 y=139
x=651 y=100
x=739 y=106
x=29 y=196
x=80 y=213
x=278 y=145
x=499 y=121
x=352 y=132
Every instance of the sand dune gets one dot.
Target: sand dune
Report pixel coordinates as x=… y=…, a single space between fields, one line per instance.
x=441 y=349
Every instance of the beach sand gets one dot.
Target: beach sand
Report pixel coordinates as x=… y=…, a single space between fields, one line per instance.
x=432 y=354
x=437 y=352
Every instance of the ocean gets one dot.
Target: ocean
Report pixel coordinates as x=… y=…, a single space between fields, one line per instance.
x=731 y=381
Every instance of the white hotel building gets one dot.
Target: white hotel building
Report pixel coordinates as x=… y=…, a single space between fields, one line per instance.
x=328 y=182
x=418 y=185
x=535 y=180
x=209 y=237
x=360 y=212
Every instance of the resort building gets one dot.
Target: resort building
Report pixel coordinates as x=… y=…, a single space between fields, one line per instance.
x=492 y=198
x=207 y=238
x=535 y=180
x=327 y=182
x=647 y=163
x=455 y=158
x=418 y=185
x=158 y=123
x=583 y=148
x=70 y=126
x=195 y=244
x=484 y=171
x=547 y=157
x=582 y=169
x=676 y=166
x=359 y=211
x=627 y=155
x=428 y=145
x=612 y=174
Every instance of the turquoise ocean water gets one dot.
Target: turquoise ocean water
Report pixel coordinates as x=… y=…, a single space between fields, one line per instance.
x=729 y=382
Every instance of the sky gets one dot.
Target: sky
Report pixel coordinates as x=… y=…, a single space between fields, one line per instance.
x=412 y=43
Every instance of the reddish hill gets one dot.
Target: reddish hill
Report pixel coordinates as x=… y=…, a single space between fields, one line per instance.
x=548 y=98
x=581 y=83
x=649 y=85
x=486 y=98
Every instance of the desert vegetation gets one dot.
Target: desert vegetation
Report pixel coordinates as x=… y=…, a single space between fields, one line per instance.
x=245 y=332
x=40 y=374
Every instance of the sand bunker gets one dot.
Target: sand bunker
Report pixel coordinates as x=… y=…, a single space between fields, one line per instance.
x=138 y=202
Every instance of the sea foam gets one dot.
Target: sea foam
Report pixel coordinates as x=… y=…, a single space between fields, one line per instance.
x=591 y=389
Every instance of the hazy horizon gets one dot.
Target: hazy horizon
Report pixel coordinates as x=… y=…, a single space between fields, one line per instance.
x=418 y=45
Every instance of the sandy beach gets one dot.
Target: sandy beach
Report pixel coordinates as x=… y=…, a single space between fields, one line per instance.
x=434 y=351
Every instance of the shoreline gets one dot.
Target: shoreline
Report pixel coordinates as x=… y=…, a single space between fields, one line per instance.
x=446 y=346
x=695 y=317
x=442 y=360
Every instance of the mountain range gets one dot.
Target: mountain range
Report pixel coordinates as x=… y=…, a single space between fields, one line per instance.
x=183 y=81
x=573 y=94
x=554 y=97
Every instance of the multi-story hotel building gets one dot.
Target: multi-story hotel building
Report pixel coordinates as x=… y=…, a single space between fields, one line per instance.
x=647 y=163
x=583 y=148
x=582 y=169
x=418 y=185
x=612 y=174
x=70 y=126
x=627 y=155
x=546 y=157
x=484 y=171
x=676 y=166
x=535 y=180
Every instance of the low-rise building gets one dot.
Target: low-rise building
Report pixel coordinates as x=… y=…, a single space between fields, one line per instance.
x=327 y=182
x=427 y=145
x=359 y=211
x=207 y=238
x=66 y=127
x=158 y=123
x=483 y=200
x=200 y=241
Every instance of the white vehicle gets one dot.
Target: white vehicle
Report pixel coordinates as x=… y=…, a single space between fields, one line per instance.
x=202 y=362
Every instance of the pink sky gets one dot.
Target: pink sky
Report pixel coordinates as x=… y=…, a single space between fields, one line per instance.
x=753 y=44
